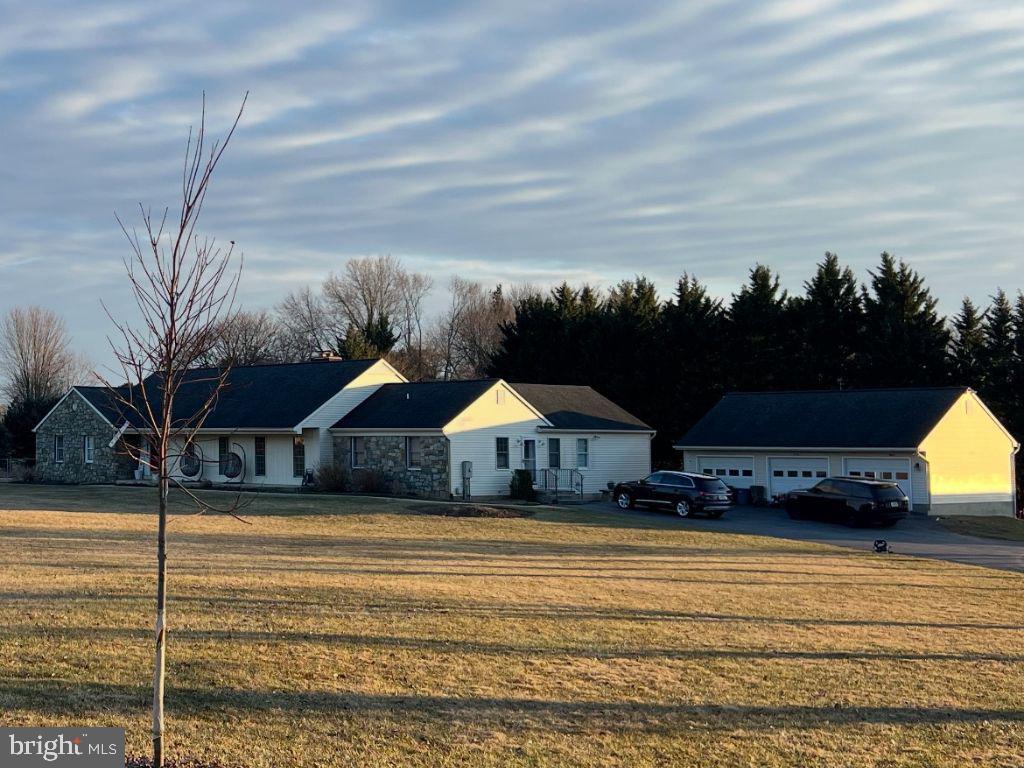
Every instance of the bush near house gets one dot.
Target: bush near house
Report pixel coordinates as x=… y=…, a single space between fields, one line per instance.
x=521 y=486
x=333 y=477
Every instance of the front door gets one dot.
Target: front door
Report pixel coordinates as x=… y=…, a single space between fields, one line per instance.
x=530 y=457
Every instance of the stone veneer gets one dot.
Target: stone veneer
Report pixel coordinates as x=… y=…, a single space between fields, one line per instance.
x=386 y=454
x=74 y=418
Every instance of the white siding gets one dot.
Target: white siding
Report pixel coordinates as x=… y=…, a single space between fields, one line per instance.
x=614 y=456
x=279 y=459
x=472 y=437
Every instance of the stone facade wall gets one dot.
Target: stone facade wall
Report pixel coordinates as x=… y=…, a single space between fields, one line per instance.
x=386 y=454
x=74 y=418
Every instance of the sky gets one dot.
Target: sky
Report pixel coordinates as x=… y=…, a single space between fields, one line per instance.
x=516 y=141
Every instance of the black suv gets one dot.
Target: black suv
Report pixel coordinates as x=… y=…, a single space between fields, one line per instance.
x=851 y=500
x=685 y=493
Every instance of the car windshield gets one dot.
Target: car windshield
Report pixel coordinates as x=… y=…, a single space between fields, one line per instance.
x=712 y=485
x=889 y=493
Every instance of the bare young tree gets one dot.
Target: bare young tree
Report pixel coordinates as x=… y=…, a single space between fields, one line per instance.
x=245 y=338
x=37 y=361
x=184 y=287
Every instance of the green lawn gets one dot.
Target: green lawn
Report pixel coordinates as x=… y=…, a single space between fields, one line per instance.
x=345 y=631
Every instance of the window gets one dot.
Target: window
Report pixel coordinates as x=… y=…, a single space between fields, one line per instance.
x=88 y=449
x=807 y=473
x=734 y=473
x=682 y=482
x=501 y=453
x=356 y=451
x=902 y=476
x=413 y=452
x=655 y=479
x=720 y=472
x=748 y=473
x=855 y=473
x=869 y=473
x=707 y=472
x=887 y=475
x=58 y=449
x=776 y=473
x=820 y=473
x=554 y=452
x=298 y=456
x=582 y=453
x=260 y=456
x=791 y=473
x=223 y=449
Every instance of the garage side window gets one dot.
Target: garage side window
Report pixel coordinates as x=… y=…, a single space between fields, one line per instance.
x=501 y=452
x=58 y=449
x=88 y=449
x=413 y=452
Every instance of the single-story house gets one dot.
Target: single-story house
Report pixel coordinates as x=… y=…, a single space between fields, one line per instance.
x=942 y=445
x=465 y=438
x=274 y=424
x=273 y=418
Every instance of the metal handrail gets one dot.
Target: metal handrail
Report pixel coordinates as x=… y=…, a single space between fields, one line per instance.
x=565 y=478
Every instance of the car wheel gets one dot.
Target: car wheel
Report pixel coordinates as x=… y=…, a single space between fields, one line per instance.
x=683 y=508
x=625 y=501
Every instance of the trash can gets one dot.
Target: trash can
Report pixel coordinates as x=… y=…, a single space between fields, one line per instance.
x=741 y=496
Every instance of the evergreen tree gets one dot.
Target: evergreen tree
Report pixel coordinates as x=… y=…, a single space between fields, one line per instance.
x=831 y=325
x=997 y=377
x=905 y=337
x=967 y=346
x=690 y=367
x=761 y=342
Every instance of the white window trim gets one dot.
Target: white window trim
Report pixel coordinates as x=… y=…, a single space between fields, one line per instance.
x=508 y=454
x=408 y=454
x=61 y=459
x=559 y=441
x=585 y=441
x=298 y=440
x=352 y=453
x=88 y=449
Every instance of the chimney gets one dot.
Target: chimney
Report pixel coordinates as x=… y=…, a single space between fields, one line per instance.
x=325 y=356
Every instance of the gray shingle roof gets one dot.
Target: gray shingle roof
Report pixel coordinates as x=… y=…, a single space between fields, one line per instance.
x=416 y=405
x=862 y=418
x=575 y=407
x=273 y=396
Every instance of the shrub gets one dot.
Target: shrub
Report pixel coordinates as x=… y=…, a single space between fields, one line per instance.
x=369 y=481
x=521 y=486
x=333 y=477
x=27 y=474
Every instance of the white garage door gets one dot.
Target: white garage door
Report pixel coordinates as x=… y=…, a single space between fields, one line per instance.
x=787 y=473
x=897 y=470
x=736 y=471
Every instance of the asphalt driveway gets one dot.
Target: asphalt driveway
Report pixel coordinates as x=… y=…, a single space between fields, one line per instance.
x=917 y=536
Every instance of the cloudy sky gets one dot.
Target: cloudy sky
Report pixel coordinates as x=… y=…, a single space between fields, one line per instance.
x=518 y=140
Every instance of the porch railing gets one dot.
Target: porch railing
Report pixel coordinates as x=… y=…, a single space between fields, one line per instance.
x=562 y=479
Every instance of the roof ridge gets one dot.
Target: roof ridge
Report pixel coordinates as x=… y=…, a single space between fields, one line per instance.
x=937 y=388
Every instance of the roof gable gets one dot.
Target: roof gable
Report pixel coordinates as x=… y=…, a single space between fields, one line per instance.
x=582 y=408
x=415 y=405
x=863 y=418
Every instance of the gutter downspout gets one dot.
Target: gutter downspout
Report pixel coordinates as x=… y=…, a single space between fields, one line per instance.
x=928 y=482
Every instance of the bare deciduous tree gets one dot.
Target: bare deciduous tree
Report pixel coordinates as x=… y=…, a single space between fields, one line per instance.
x=184 y=287
x=467 y=334
x=37 y=361
x=302 y=326
x=377 y=297
x=245 y=338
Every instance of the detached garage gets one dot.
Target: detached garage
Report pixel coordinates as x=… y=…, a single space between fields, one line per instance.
x=942 y=445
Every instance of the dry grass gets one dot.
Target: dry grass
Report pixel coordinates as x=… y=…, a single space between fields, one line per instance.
x=1005 y=528
x=376 y=637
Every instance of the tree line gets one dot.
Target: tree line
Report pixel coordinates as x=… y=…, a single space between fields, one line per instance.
x=665 y=359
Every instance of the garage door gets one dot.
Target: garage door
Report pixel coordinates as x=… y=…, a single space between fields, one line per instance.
x=737 y=471
x=897 y=470
x=787 y=473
